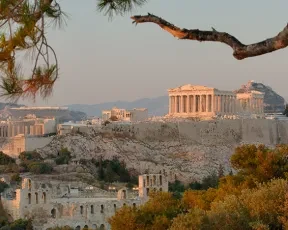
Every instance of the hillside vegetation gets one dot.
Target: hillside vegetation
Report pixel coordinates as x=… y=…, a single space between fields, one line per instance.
x=255 y=198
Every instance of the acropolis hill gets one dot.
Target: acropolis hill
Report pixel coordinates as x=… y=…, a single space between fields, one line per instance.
x=188 y=150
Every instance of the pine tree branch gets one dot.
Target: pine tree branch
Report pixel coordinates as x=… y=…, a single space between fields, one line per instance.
x=241 y=51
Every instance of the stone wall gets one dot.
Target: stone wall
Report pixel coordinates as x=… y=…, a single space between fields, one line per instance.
x=186 y=150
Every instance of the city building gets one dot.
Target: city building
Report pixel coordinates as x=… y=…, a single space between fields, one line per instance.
x=54 y=203
x=21 y=143
x=29 y=125
x=201 y=101
x=133 y=115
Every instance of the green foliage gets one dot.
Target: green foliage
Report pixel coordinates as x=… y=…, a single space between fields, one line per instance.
x=63 y=157
x=116 y=7
x=30 y=156
x=3 y=186
x=113 y=170
x=33 y=162
x=40 y=168
x=19 y=224
x=5 y=159
x=16 y=178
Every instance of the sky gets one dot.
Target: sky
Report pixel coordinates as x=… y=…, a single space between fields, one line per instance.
x=102 y=60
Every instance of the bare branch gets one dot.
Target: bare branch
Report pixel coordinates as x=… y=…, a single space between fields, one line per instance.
x=241 y=51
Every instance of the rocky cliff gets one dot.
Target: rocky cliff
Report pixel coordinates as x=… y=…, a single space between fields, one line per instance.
x=187 y=150
x=273 y=102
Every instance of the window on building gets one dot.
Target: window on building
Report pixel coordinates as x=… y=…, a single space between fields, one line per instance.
x=134 y=205
x=36 y=197
x=92 y=209
x=147 y=191
x=148 y=181
x=154 y=180
x=160 y=180
x=53 y=213
x=44 y=197
x=29 y=198
x=102 y=208
x=115 y=207
x=81 y=209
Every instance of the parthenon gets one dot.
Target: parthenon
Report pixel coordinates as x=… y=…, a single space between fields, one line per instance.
x=201 y=101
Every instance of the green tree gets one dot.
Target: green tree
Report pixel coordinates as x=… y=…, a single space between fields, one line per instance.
x=27 y=22
x=5 y=159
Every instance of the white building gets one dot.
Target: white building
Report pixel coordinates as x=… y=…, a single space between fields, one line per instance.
x=133 y=115
x=201 y=101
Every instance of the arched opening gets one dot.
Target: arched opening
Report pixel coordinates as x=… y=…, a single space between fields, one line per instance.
x=44 y=197
x=160 y=189
x=102 y=227
x=85 y=227
x=160 y=180
x=148 y=181
x=78 y=228
x=134 y=205
x=29 y=198
x=147 y=191
x=124 y=194
x=154 y=180
x=53 y=213
x=81 y=209
x=115 y=207
x=36 y=197
x=94 y=227
x=29 y=184
x=124 y=204
x=92 y=209
x=102 y=208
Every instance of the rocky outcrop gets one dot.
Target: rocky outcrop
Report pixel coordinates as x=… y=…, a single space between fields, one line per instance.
x=187 y=150
x=273 y=102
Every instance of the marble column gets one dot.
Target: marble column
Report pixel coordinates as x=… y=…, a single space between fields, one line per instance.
x=175 y=104
x=170 y=104
x=187 y=104
x=207 y=103
x=219 y=103
x=194 y=103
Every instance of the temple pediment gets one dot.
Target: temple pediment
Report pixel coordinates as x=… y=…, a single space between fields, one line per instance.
x=190 y=87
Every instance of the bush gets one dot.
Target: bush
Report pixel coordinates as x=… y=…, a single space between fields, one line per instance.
x=5 y=159
x=40 y=168
x=16 y=178
x=64 y=157
x=3 y=186
x=29 y=156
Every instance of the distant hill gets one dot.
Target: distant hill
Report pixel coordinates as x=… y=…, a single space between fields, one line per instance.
x=273 y=102
x=156 y=106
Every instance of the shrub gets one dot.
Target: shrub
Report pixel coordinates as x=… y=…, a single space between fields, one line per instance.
x=5 y=159
x=64 y=157
x=40 y=168
x=29 y=156
x=16 y=178
x=3 y=186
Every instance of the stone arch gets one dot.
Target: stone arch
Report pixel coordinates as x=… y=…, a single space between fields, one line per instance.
x=29 y=198
x=124 y=204
x=134 y=205
x=78 y=227
x=85 y=227
x=36 y=198
x=102 y=208
x=94 y=227
x=44 y=197
x=81 y=209
x=53 y=213
x=160 y=178
x=102 y=227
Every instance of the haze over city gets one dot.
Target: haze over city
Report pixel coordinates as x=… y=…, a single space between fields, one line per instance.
x=102 y=60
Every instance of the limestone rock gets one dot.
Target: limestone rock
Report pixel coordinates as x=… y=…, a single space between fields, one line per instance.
x=273 y=102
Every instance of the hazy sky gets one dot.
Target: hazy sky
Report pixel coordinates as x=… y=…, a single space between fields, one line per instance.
x=102 y=60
